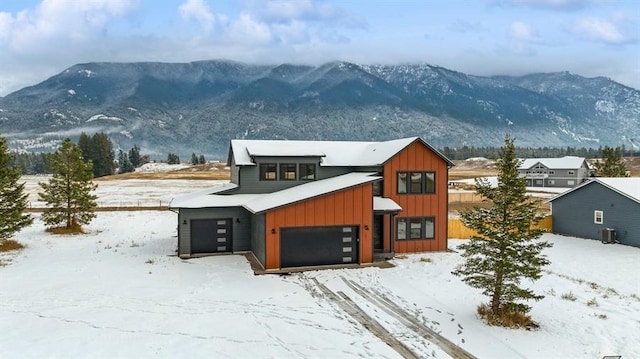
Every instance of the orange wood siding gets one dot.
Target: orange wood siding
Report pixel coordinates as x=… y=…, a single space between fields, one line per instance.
x=352 y=206
x=418 y=157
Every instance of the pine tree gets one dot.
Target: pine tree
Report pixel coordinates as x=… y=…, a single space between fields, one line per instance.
x=173 y=159
x=124 y=165
x=612 y=166
x=201 y=160
x=507 y=249
x=194 y=159
x=13 y=200
x=134 y=156
x=103 y=158
x=68 y=192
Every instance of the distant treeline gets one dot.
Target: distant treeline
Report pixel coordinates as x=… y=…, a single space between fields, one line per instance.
x=37 y=163
x=466 y=152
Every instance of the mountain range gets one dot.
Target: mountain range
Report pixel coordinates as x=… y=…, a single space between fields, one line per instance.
x=198 y=107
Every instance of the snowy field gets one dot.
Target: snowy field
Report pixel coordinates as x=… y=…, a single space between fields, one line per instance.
x=118 y=292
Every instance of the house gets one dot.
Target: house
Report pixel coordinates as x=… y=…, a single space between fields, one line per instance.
x=597 y=205
x=308 y=203
x=568 y=171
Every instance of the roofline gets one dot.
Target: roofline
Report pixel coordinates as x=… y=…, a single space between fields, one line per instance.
x=593 y=180
x=442 y=156
x=374 y=179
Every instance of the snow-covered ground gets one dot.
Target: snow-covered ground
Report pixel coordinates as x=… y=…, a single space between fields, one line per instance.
x=118 y=291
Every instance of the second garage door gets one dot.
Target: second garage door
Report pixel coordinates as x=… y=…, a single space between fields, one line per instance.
x=309 y=246
x=211 y=235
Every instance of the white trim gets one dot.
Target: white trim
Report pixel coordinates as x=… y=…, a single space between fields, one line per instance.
x=598 y=217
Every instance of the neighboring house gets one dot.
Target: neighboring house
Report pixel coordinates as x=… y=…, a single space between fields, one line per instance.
x=568 y=171
x=307 y=203
x=601 y=203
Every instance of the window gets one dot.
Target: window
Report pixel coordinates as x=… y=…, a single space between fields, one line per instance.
x=307 y=171
x=571 y=183
x=416 y=182
x=571 y=173
x=402 y=182
x=268 y=172
x=429 y=182
x=288 y=171
x=402 y=228
x=415 y=228
x=598 y=217
x=552 y=172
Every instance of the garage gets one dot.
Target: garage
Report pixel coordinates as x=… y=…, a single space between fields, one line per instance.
x=311 y=246
x=211 y=235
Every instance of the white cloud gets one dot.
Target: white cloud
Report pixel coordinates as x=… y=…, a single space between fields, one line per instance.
x=247 y=30
x=523 y=32
x=200 y=11
x=598 y=29
x=562 y=5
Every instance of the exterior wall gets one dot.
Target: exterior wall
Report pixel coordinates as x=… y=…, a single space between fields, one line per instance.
x=234 y=171
x=241 y=226
x=559 y=178
x=352 y=206
x=258 y=245
x=573 y=214
x=249 y=176
x=417 y=157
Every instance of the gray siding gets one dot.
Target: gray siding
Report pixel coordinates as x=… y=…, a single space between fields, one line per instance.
x=241 y=230
x=249 y=176
x=234 y=171
x=573 y=214
x=559 y=177
x=258 y=238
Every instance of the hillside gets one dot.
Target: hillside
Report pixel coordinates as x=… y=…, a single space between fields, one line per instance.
x=199 y=106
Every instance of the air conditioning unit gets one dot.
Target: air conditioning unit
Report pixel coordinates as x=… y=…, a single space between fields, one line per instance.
x=608 y=235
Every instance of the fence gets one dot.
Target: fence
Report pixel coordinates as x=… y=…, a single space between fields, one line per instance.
x=463 y=197
x=106 y=206
x=457 y=230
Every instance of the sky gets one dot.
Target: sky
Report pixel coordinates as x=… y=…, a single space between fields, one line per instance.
x=39 y=39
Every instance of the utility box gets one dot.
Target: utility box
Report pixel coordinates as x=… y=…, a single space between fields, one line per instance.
x=608 y=235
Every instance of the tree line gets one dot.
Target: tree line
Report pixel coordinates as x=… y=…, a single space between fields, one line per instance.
x=466 y=152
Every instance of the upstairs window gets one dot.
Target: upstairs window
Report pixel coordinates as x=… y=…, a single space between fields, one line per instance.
x=571 y=173
x=288 y=172
x=268 y=172
x=416 y=182
x=307 y=171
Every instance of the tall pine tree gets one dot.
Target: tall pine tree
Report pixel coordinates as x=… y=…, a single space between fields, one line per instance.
x=70 y=203
x=13 y=199
x=507 y=250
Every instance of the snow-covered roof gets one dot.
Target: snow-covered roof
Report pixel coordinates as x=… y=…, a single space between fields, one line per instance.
x=332 y=153
x=626 y=186
x=383 y=204
x=256 y=203
x=566 y=162
x=309 y=190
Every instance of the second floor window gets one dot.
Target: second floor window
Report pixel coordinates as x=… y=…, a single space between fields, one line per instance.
x=416 y=182
x=307 y=171
x=288 y=171
x=268 y=172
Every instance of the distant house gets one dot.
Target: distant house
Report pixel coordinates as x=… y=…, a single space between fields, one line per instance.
x=308 y=203
x=601 y=203
x=568 y=171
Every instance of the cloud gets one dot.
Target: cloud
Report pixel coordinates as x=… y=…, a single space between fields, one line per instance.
x=521 y=31
x=199 y=11
x=601 y=30
x=303 y=10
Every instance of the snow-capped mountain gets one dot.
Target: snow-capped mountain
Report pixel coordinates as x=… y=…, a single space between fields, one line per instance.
x=199 y=106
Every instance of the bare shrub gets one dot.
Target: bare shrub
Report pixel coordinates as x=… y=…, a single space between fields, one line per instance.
x=569 y=296
x=10 y=245
x=509 y=319
x=592 y=302
x=425 y=259
x=74 y=229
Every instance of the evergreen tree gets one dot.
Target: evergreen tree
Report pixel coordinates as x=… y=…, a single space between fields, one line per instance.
x=201 y=160
x=173 y=159
x=68 y=192
x=124 y=165
x=612 y=165
x=134 y=157
x=13 y=200
x=102 y=158
x=85 y=143
x=194 y=159
x=507 y=250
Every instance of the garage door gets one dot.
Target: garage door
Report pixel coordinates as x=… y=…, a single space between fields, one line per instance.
x=309 y=246
x=210 y=235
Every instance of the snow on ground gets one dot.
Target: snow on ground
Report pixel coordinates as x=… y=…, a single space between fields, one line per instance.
x=119 y=291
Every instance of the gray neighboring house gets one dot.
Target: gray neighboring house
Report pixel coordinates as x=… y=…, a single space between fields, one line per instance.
x=597 y=205
x=568 y=171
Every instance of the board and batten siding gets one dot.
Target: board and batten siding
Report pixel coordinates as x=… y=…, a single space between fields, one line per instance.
x=258 y=245
x=419 y=158
x=573 y=214
x=348 y=207
x=241 y=226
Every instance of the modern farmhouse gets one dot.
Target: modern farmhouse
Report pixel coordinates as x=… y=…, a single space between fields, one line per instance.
x=568 y=171
x=309 y=203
